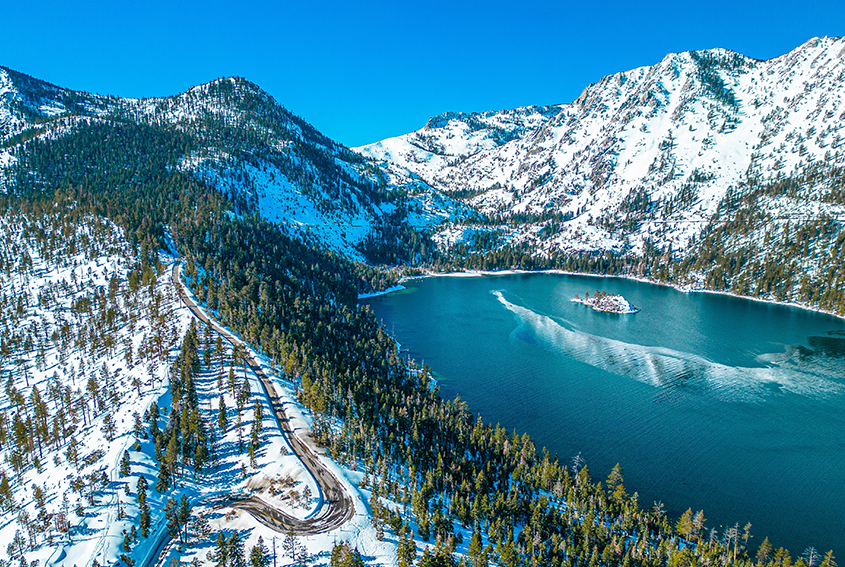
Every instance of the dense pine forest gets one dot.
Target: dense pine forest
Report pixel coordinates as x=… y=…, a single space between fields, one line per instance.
x=431 y=466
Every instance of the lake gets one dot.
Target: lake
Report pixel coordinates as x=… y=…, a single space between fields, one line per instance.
x=709 y=402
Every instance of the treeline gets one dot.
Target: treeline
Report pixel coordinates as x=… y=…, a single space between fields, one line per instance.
x=298 y=305
x=744 y=249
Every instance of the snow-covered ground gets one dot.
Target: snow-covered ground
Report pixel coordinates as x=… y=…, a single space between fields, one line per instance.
x=106 y=340
x=89 y=347
x=283 y=202
x=607 y=303
x=661 y=145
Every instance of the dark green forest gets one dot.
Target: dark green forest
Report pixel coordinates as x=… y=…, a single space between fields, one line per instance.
x=298 y=304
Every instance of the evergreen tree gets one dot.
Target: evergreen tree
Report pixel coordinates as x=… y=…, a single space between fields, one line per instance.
x=475 y=551
x=184 y=511
x=235 y=551
x=163 y=481
x=222 y=421
x=171 y=514
x=344 y=556
x=144 y=522
x=124 y=464
x=222 y=550
x=259 y=554
x=7 y=500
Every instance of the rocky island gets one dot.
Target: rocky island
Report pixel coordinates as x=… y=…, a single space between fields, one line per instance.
x=609 y=303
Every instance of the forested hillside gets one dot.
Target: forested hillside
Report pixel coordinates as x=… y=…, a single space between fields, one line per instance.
x=777 y=253
x=708 y=170
x=443 y=487
x=267 y=161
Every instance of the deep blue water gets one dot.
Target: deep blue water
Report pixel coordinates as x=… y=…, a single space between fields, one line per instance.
x=708 y=402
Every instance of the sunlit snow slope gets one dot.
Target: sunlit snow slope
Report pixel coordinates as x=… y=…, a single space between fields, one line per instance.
x=240 y=140
x=647 y=153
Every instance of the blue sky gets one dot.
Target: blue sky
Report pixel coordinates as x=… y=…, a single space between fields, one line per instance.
x=363 y=71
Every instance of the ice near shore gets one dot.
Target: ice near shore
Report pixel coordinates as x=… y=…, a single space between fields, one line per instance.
x=607 y=303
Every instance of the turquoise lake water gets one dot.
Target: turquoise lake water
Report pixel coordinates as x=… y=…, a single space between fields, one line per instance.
x=708 y=402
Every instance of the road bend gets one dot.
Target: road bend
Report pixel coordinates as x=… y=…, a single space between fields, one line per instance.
x=335 y=506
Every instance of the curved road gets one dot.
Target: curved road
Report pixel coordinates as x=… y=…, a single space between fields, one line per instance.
x=335 y=508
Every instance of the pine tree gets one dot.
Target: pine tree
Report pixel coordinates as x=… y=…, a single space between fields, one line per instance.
x=108 y=427
x=764 y=552
x=222 y=420
x=72 y=453
x=344 y=556
x=475 y=551
x=163 y=481
x=828 y=560
x=7 y=500
x=127 y=542
x=250 y=451
x=171 y=456
x=235 y=551
x=124 y=464
x=142 y=489
x=171 y=514
x=258 y=416
x=290 y=545
x=259 y=554
x=406 y=550
x=233 y=384
x=144 y=522
x=222 y=552
x=184 y=511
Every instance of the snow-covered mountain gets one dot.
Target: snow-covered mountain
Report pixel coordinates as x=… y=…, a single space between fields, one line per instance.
x=643 y=154
x=243 y=142
x=706 y=154
x=735 y=163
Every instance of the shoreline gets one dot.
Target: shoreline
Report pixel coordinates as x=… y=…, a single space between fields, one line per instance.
x=391 y=289
x=676 y=287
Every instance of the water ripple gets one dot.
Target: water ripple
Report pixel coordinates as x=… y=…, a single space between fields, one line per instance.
x=795 y=370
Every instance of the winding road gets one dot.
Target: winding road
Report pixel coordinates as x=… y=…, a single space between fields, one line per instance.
x=335 y=506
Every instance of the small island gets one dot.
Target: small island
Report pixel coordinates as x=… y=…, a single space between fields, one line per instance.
x=602 y=301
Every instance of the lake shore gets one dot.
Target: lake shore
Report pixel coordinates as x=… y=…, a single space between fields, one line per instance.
x=648 y=374
x=680 y=288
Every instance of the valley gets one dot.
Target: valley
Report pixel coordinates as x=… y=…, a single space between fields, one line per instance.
x=195 y=367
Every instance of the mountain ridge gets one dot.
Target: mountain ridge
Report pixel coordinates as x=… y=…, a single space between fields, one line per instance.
x=569 y=150
x=704 y=170
x=267 y=159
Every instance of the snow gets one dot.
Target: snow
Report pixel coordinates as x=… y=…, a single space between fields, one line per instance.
x=654 y=128
x=607 y=303
x=74 y=276
x=282 y=202
x=98 y=532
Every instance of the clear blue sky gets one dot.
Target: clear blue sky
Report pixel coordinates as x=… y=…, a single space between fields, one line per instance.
x=361 y=71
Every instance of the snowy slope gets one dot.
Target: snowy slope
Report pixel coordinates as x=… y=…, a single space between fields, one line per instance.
x=93 y=351
x=268 y=160
x=75 y=334
x=293 y=175
x=94 y=348
x=662 y=144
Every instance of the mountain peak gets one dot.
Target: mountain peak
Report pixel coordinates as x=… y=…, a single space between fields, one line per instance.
x=670 y=140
